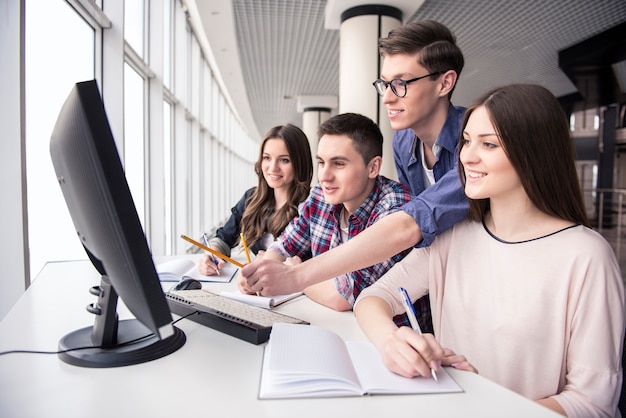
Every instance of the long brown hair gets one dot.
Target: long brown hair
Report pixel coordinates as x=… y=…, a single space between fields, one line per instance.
x=535 y=136
x=255 y=221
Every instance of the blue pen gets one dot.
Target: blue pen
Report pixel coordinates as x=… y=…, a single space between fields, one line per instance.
x=206 y=242
x=410 y=312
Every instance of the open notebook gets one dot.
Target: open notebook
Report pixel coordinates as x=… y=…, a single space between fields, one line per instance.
x=306 y=361
x=182 y=268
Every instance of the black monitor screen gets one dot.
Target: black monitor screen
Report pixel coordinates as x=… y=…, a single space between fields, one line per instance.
x=90 y=173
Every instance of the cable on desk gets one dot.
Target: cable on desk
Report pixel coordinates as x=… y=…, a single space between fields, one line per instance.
x=136 y=340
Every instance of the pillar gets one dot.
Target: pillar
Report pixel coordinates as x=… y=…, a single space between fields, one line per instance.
x=315 y=110
x=361 y=25
x=606 y=164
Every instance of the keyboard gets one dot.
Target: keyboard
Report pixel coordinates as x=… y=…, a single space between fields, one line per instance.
x=232 y=317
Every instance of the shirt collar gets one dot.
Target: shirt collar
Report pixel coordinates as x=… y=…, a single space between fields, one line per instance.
x=449 y=136
x=363 y=212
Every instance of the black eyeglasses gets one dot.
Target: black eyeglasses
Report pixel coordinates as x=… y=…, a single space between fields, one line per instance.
x=398 y=86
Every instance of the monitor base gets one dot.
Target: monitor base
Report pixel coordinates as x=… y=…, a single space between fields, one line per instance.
x=148 y=349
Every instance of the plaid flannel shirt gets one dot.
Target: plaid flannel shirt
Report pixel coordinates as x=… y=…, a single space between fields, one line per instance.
x=316 y=230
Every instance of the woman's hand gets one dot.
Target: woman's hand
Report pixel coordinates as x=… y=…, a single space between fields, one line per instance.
x=207 y=267
x=409 y=354
x=450 y=358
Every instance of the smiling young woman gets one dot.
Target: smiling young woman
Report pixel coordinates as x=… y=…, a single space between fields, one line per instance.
x=284 y=170
x=523 y=291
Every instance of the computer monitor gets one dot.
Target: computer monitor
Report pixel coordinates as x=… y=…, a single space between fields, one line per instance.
x=90 y=173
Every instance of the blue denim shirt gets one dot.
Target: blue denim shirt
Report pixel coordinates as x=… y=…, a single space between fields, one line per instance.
x=442 y=205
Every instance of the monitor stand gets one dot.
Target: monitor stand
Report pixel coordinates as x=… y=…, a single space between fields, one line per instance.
x=113 y=343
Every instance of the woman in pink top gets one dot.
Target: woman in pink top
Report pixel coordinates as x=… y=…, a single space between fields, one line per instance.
x=524 y=291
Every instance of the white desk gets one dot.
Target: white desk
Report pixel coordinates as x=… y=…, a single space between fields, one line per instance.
x=212 y=375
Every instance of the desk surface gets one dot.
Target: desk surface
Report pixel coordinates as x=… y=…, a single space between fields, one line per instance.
x=213 y=374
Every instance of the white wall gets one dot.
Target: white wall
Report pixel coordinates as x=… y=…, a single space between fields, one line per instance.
x=14 y=275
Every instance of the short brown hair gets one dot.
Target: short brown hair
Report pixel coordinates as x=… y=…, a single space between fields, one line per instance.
x=433 y=41
x=365 y=134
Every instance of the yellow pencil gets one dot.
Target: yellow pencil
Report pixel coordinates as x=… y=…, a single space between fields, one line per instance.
x=212 y=251
x=245 y=247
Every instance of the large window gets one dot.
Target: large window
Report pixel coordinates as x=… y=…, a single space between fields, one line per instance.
x=166 y=179
x=134 y=143
x=134 y=28
x=59 y=51
x=186 y=156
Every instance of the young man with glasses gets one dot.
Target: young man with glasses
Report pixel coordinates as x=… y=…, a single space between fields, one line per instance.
x=421 y=64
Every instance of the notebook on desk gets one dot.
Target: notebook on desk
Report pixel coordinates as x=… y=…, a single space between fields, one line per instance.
x=314 y=362
x=183 y=268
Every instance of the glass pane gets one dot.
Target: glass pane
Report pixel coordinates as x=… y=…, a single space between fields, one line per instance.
x=194 y=78
x=133 y=157
x=167 y=174
x=59 y=52
x=167 y=43
x=133 y=25
x=207 y=178
x=195 y=175
x=206 y=95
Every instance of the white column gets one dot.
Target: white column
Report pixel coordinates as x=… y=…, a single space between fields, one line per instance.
x=359 y=59
x=14 y=260
x=312 y=118
x=315 y=110
x=359 y=66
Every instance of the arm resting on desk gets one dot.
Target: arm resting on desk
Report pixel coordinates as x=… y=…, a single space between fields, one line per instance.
x=325 y=293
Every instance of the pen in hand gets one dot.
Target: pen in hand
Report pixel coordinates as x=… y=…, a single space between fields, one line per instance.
x=206 y=242
x=410 y=312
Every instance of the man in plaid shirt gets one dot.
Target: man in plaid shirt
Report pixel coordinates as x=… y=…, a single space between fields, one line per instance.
x=350 y=196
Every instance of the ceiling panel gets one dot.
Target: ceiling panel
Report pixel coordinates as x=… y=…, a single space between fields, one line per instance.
x=284 y=50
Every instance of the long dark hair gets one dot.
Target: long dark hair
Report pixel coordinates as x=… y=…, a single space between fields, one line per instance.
x=535 y=136
x=255 y=222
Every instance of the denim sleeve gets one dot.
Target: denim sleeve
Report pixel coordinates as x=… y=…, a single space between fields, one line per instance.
x=229 y=232
x=402 y=143
x=438 y=207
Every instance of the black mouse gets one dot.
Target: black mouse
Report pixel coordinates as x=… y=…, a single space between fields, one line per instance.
x=187 y=284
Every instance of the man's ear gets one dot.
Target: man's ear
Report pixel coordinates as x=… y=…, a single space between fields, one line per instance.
x=374 y=166
x=448 y=81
